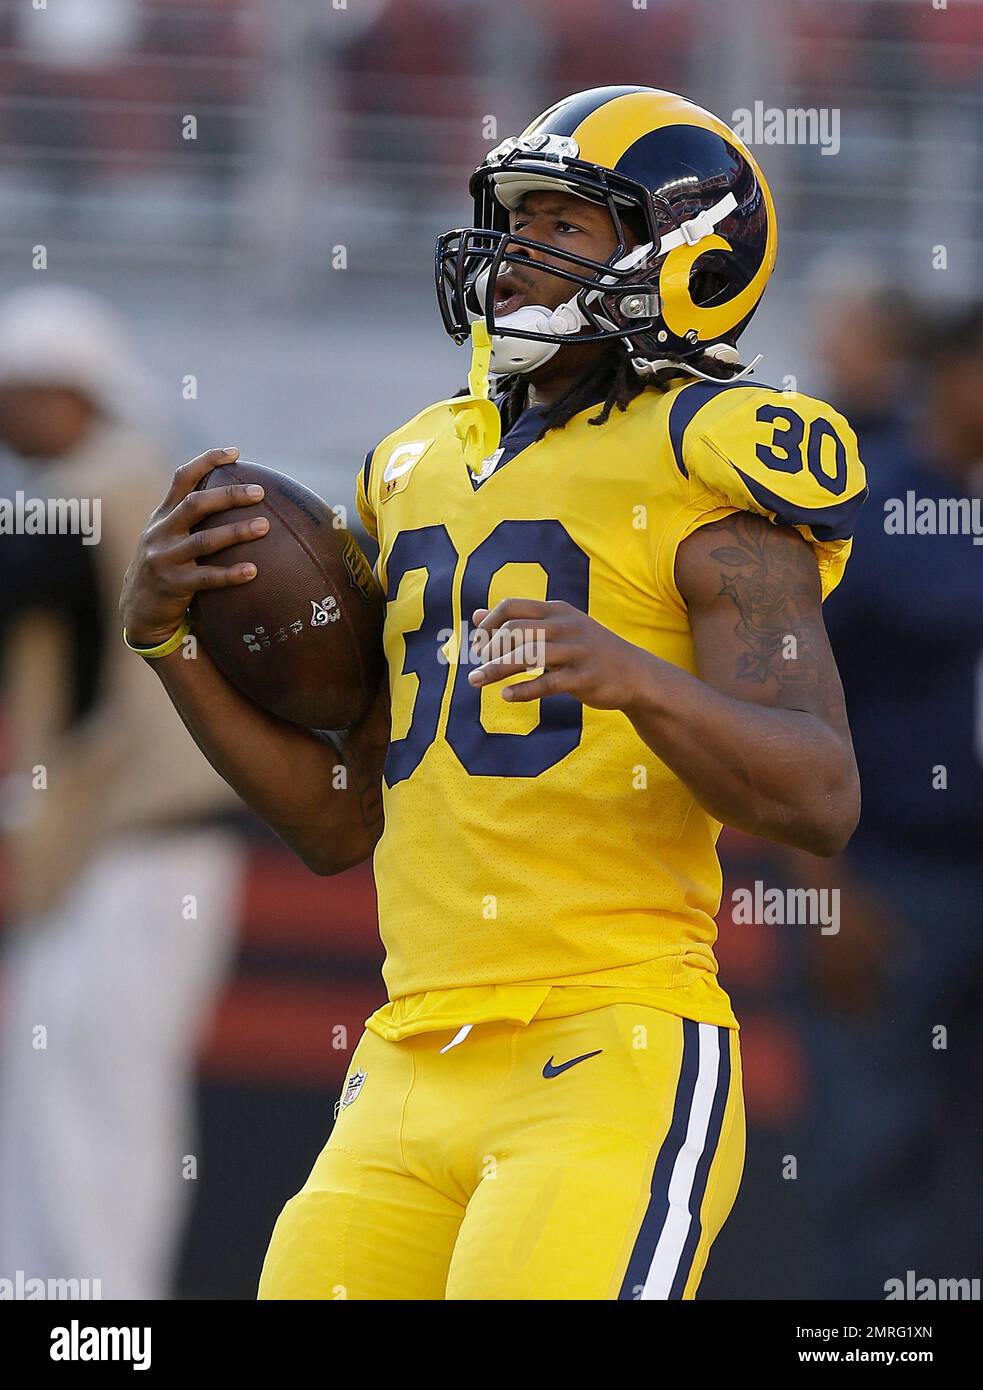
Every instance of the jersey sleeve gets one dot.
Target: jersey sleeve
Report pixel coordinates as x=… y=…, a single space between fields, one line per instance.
x=782 y=455
x=363 y=497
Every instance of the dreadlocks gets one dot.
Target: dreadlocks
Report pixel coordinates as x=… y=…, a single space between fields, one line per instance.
x=612 y=378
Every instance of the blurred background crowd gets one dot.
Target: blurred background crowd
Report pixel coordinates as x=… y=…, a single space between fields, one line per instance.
x=216 y=227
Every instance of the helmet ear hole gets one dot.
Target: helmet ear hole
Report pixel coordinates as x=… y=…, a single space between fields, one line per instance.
x=706 y=286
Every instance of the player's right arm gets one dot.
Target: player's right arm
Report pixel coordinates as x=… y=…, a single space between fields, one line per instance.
x=287 y=775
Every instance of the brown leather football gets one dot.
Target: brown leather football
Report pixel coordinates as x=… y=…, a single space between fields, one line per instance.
x=304 y=637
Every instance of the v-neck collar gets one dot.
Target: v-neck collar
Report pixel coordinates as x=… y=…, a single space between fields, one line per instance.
x=523 y=433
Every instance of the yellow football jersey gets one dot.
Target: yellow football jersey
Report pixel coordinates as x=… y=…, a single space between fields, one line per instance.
x=533 y=853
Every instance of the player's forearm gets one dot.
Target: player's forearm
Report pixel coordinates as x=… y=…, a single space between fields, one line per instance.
x=782 y=774
x=321 y=795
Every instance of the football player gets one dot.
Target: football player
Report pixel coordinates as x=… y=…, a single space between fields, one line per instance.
x=604 y=640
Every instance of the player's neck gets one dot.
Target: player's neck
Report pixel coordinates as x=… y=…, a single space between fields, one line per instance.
x=555 y=378
x=542 y=395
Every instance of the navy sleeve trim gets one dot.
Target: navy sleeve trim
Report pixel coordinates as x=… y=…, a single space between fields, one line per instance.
x=366 y=469
x=690 y=402
x=835 y=523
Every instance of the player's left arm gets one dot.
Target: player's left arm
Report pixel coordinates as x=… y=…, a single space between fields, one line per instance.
x=760 y=734
x=785 y=767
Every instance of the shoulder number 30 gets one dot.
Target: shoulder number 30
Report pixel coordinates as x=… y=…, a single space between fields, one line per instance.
x=785 y=452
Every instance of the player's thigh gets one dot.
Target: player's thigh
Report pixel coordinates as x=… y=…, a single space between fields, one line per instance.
x=362 y=1226
x=361 y=1234
x=618 y=1190
x=550 y=1222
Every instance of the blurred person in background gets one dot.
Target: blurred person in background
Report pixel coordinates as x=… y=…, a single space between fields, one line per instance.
x=123 y=861
x=897 y=1147
x=864 y=330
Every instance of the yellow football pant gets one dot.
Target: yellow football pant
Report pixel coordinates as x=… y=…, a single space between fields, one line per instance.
x=592 y=1157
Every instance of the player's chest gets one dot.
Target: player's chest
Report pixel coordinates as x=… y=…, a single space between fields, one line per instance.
x=572 y=523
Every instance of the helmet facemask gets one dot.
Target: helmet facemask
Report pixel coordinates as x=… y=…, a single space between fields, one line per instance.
x=614 y=299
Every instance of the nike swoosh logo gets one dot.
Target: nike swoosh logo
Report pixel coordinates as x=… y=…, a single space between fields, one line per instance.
x=551 y=1070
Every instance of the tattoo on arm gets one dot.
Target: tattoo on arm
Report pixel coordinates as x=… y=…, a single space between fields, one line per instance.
x=770 y=576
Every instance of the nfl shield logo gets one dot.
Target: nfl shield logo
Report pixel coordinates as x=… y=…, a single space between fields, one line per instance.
x=352 y=1087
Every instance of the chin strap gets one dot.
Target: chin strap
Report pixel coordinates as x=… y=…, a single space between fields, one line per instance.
x=703 y=224
x=646 y=366
x=526 y=354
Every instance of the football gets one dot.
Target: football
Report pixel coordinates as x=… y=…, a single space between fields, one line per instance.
x=303 y=639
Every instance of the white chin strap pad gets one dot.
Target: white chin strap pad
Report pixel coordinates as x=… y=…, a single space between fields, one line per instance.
x=526 y=354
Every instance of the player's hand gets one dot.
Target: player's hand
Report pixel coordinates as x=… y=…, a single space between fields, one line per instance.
x=164 y=575
x=578 y=656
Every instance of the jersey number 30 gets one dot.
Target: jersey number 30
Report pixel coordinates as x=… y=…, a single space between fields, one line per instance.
x=481 y=753
x=784 y=453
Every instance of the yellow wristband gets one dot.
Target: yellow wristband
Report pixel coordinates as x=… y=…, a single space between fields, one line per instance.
x=164 y=648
